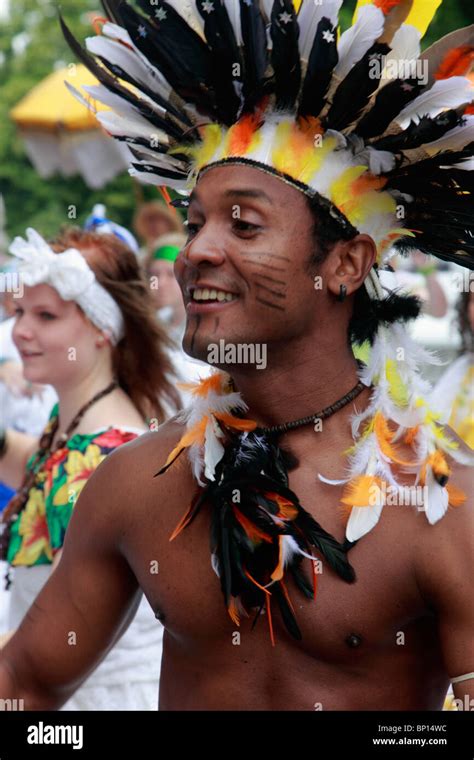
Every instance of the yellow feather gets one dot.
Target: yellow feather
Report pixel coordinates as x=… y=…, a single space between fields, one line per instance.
x=203 y=152
x=340 y=188
x=396 y=386
x=420 y=15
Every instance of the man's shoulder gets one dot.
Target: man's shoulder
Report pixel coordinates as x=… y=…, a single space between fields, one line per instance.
x=146 y=453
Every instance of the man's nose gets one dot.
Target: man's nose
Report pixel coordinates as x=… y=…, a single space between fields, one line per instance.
x=205 y=246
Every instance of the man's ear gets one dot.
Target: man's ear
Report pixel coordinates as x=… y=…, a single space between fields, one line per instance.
x=349 y=263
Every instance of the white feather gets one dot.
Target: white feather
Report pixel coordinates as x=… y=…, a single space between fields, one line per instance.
x=309 y=16
x=437 y=498
x=233 y=11
x=330 y=482
x=362 y=520
x=187 y=9
x=455 y=139
x=290 y=548
x=356 y=40
x=444 y=94
x=213 y=448
x=122 y=106
x=80 y=97
x=127 y=59
x=467 y=165
x=119 y=125
x=443 y=394
x=405 y=47
x=152 y=178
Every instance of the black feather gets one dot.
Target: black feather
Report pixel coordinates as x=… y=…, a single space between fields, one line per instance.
x=285 y=56
x=226 y=60
x=176 y=50
x=354 y=92
x=167 y=125
x=442 y=210
x=111 y=10
x=427 y=130
x=255 y=55
x=322 y=60
x=389 y=102
x=393 y=308
x=286 y=612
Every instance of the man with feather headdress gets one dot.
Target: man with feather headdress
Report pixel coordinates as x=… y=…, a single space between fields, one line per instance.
x=303 y=169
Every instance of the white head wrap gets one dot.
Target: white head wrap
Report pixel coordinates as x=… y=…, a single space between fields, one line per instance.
x=71 y=276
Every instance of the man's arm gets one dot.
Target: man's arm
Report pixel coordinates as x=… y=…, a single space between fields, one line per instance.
x=85 y=605
x=445 y=573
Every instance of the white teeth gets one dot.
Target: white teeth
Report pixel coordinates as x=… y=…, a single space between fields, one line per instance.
x=204 y=294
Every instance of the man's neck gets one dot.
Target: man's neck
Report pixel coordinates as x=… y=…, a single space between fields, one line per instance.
x=296 y=388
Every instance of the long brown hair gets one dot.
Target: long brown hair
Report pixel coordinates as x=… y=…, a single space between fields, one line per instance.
x=140 y=361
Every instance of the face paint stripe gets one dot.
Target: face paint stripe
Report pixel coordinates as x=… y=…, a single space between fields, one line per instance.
x=268 y=303
x=273 y=292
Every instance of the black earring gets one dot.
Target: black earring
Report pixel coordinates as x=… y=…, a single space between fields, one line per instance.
x=342 y=293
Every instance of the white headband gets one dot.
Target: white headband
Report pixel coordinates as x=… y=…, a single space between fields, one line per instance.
x=71 y=276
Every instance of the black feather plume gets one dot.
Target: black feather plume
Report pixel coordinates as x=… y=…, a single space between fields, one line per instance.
x=168 y=126
x=253 y=468
x=353 y=93
x=322 y=60
x=285 y=56
x=176 y=50
x=227 y=61
x=389 y=102
x=255 y=55
x=427 y=130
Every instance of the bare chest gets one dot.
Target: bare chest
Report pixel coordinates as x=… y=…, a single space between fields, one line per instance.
x=345 y=623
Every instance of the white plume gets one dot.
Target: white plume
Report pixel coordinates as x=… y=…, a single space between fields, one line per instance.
x=356 y=40
x=445 y=93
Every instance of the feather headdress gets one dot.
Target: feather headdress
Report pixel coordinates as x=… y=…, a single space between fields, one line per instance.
x=379 y=133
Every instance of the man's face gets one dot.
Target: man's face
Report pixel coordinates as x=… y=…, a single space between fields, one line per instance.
x=243 y=271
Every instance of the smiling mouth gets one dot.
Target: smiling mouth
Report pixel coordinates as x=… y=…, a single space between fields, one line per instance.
x=208 y=295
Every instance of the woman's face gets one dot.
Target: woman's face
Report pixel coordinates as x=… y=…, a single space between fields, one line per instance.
x=57 y=343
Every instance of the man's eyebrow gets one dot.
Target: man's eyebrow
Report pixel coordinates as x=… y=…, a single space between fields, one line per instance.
x=237 y=193
x=249 y=193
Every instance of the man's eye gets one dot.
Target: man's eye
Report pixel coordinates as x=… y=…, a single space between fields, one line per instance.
x=246 y=226
x=192 y=229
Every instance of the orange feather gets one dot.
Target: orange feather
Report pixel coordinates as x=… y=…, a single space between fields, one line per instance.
x=457 y=62
x=456 y=496
x=232 y=610
x=235 y=422
x=287 y=510
x=253 y=531
x=240 y=135
x=386 y=5
x=358 y=492
x=384 y=439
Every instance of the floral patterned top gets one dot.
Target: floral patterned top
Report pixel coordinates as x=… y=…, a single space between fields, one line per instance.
x=39 y=529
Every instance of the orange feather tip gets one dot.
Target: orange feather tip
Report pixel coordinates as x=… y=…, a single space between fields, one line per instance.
x=457 y=497
x=386 y=5
x=456 y=62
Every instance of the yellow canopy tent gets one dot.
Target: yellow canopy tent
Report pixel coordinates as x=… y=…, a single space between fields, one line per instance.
x=61 y=135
